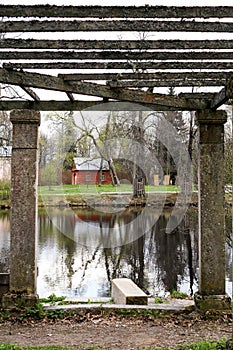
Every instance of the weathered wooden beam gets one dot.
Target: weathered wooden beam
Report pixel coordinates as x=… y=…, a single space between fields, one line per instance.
x=116 y=55
x=70 y=96
x=116 y=11
x=31 y=93
x=7 y=105
x=166 y=83
x=197 y=95
x=224 y=95
x=132 y=65
x=219 y=99
x=115 y=44
x=55 y=83
x=145 y=76
x=112 y=25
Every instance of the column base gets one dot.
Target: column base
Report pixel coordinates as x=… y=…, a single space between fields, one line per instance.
x=13 y=300
x=212 y=302
x=4 y=285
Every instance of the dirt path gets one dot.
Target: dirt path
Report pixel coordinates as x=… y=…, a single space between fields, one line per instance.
x=117 y=332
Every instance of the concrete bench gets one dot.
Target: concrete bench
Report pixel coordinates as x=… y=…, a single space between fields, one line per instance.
x=126 y=292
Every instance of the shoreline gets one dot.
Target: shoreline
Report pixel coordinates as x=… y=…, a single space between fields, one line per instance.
x=124 y=200
x=155 y=199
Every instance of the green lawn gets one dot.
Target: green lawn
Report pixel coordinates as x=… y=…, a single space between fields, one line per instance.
x=75 y=189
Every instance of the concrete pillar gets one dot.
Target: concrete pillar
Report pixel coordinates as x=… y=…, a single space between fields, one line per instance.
x=24 y=180
x=212 y=268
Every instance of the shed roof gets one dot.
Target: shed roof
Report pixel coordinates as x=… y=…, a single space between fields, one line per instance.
x=88 y=164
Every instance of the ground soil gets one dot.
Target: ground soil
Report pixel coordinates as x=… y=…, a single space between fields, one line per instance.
x=118 y=332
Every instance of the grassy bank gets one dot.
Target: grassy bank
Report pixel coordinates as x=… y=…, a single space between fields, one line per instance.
x=73 y=194
x=4 y=193
x=93 y=189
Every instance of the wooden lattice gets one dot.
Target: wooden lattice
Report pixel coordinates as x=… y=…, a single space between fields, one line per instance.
x=118 y=53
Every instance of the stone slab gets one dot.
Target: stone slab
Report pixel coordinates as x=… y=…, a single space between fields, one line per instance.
x=126 y=292
x=169 y=305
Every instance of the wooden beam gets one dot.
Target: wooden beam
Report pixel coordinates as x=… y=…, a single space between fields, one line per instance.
x=115 y=44
x=49 y=82
x=110 y=26
x=197 y=95
x=31 y=93
x=70 y=96
x=132 y=65
x=8 y=105
x=224 y=95
x=116 y=55
x=116 y=11
x=219 y=99
x=145 y=76
x=166 y=83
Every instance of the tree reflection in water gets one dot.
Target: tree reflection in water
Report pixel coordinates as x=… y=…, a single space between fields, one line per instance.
x=73 y=260
x=4 y=240
x=156 y=261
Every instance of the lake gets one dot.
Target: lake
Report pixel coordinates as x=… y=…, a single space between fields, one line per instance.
x=81 y=250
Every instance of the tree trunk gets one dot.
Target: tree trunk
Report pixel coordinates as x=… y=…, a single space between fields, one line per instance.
x=138 y=176
x=113 y=173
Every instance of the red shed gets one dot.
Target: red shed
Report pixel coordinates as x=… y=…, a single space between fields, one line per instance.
x=88 y=171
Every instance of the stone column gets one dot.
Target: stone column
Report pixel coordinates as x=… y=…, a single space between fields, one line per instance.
x=212 y=268
x=24 y=180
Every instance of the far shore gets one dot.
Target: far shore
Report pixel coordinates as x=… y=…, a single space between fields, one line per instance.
x=95 y=196
x=166 y=199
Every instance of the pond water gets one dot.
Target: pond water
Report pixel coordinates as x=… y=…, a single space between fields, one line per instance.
x=76 y=259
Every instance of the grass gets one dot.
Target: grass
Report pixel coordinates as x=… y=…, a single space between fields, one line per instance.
x=4 y=192
x=204 y=345
x=77 y=194
x=200 y=345
x=52 y=299
x=178 y=295
x=74 y=193
x=94 y=189
x=158 y=300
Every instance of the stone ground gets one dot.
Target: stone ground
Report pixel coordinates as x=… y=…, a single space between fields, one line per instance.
x=91 y=328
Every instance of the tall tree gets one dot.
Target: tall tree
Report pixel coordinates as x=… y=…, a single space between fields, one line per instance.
x=64 y=135
x=99 y=135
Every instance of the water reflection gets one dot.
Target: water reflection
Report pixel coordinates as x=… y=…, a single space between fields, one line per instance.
x=158 y=262
x=4 y=240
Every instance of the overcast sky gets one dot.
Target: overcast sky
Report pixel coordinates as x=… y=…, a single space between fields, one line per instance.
x=122 y=2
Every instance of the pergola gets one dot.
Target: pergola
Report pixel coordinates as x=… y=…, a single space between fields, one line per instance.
x=131 y=54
